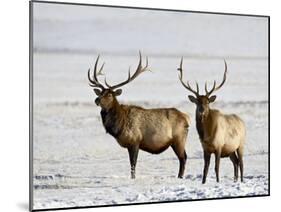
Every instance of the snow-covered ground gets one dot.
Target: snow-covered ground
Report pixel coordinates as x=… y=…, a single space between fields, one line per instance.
x=77 y=164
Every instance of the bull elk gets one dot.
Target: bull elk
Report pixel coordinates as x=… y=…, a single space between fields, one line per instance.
x=221 y=134
x=134 y=128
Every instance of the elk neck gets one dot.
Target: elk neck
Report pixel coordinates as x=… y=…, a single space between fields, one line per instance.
x=201 y=122
x=113 y=119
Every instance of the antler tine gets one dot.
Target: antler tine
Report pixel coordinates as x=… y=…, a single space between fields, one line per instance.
x=197 y=87
x=223 y=81
x=94 y=82
x=180 y=68
x=139 y=65
x=95 y=69
x=113 y=87
x=109 y=86
x=100 y=71
x=139 y=70
x=224 y=77
x=187 y=86
x=206 y=89
x=208 y=93
x=89 y=77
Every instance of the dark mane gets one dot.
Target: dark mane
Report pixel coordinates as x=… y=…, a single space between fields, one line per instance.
x=199 y=127
x=113 y=120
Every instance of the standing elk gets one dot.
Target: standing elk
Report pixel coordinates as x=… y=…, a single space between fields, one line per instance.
x=223 y=135
x=134 y=128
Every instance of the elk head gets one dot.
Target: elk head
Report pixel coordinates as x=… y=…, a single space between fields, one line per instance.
x=202 y=101
x=107 y=95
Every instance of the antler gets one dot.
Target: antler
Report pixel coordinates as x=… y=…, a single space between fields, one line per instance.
x=94 y=82
x=214 y=88
x=139 y=70
x=187 y=86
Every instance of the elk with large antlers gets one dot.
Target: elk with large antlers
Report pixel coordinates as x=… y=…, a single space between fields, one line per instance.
x=221 y=134
x=134 y=128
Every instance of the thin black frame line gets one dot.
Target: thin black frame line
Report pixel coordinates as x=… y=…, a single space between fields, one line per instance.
x=31 y=107
x=139 y=203
x=268 y=105
x=149 y=203
x=147 y=8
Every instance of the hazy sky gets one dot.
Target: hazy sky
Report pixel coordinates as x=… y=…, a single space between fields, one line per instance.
x=60 y=27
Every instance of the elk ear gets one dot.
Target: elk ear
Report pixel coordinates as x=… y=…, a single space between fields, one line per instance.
x=212 y=98
x=192 y=99
x=97 y=91
x=118 y=92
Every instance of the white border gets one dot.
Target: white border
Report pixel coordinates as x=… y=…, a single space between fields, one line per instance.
x=14 y=103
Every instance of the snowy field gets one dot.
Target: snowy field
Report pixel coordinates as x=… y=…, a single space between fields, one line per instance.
x=77 y=164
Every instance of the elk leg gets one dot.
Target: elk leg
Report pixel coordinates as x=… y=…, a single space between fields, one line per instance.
x=181 y=154
x=182 y=165
x=133 y=154
x=235 y=161
x=207 y=158
x=240 y=158
x=217 y=164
